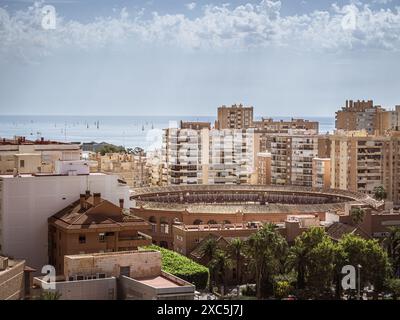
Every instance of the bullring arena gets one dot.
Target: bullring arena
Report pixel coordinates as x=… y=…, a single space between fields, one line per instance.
x=236 y=204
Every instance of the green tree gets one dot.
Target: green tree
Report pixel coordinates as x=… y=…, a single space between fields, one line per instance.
x=371 y=256
x=209 y=251
x=265 y=249
x=313 y=258
x=236 y=251
x=393 y=287
x=219 y=265
x=392 y=244
x=357 y=215
x=380 y=193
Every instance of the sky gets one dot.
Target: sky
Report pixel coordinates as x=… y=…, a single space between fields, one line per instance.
x=158 y=57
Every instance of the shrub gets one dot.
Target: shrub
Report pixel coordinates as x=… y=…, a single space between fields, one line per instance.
x=182 y=267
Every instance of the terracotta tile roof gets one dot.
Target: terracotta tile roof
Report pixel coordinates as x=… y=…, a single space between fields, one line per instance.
x=103 y=215
x=338 y=229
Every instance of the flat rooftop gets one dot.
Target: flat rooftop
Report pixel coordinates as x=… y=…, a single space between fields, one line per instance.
x=158 y=282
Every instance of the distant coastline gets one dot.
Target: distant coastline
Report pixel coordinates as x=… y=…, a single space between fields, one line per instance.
x=128 y=131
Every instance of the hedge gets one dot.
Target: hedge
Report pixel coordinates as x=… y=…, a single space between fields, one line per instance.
x=182 y=267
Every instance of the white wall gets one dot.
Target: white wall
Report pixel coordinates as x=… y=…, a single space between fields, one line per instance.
x=27 y=202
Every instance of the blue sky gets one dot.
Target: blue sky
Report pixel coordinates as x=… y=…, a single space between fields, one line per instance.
x=188 y=57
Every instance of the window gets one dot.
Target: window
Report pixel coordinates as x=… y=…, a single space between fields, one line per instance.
x=82 y=238
x=102 y=237
x=22 y=163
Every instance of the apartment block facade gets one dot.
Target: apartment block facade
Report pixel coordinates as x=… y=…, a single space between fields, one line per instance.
x=263 y=168
x=362 y=115
x=360 y=162
x=292 y=156
x=321 y=173
x=208 y=156
x=234 y=117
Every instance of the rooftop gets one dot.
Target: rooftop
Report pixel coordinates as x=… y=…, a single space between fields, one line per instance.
x=158 y=282
x=91 y=211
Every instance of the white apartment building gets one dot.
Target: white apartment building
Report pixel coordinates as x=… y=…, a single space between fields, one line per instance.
x=27 y=201
x=209 y=156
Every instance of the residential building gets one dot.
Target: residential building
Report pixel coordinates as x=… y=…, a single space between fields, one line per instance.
x=263 y=168
x=126 y=275
x=360 y=115
x=270 y=125
x=361 y=162
x=27 y=201
x=20 y=155
x=130 y=167
x=195 y=125
x=292 y=156
x=91 y=225
x=321 y=172
x=208 y=156
x=234 y=117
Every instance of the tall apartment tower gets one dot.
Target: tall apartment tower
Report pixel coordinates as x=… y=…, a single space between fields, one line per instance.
x=180 y=156
x=234 y=117
x=292 y=158
x=360 y=162
x=360 y=115
x=208 y=156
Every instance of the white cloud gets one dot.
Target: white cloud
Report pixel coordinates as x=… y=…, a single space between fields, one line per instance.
x=218 y=27
x=191 y=5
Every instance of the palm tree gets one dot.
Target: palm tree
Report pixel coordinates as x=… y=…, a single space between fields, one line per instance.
x=235 y=249
x=209 y=250
x=266 y=248
x=219 y=266
x=357 y=215
x=380 y=193
x=392 y=244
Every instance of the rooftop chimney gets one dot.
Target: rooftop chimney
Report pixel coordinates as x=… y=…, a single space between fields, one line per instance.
x=121 y=203
x=96 y=198
x=87 y=194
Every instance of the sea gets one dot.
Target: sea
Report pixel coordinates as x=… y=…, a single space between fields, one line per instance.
x=128 y=131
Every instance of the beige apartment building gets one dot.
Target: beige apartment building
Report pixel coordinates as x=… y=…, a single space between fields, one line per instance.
x=283 y=126
x=292 y=156
x=23 y=156
x=263 y=168
x=360 y=162
x=234 y=117
x=130 y=167
x=321 y=173
x=363 y=115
